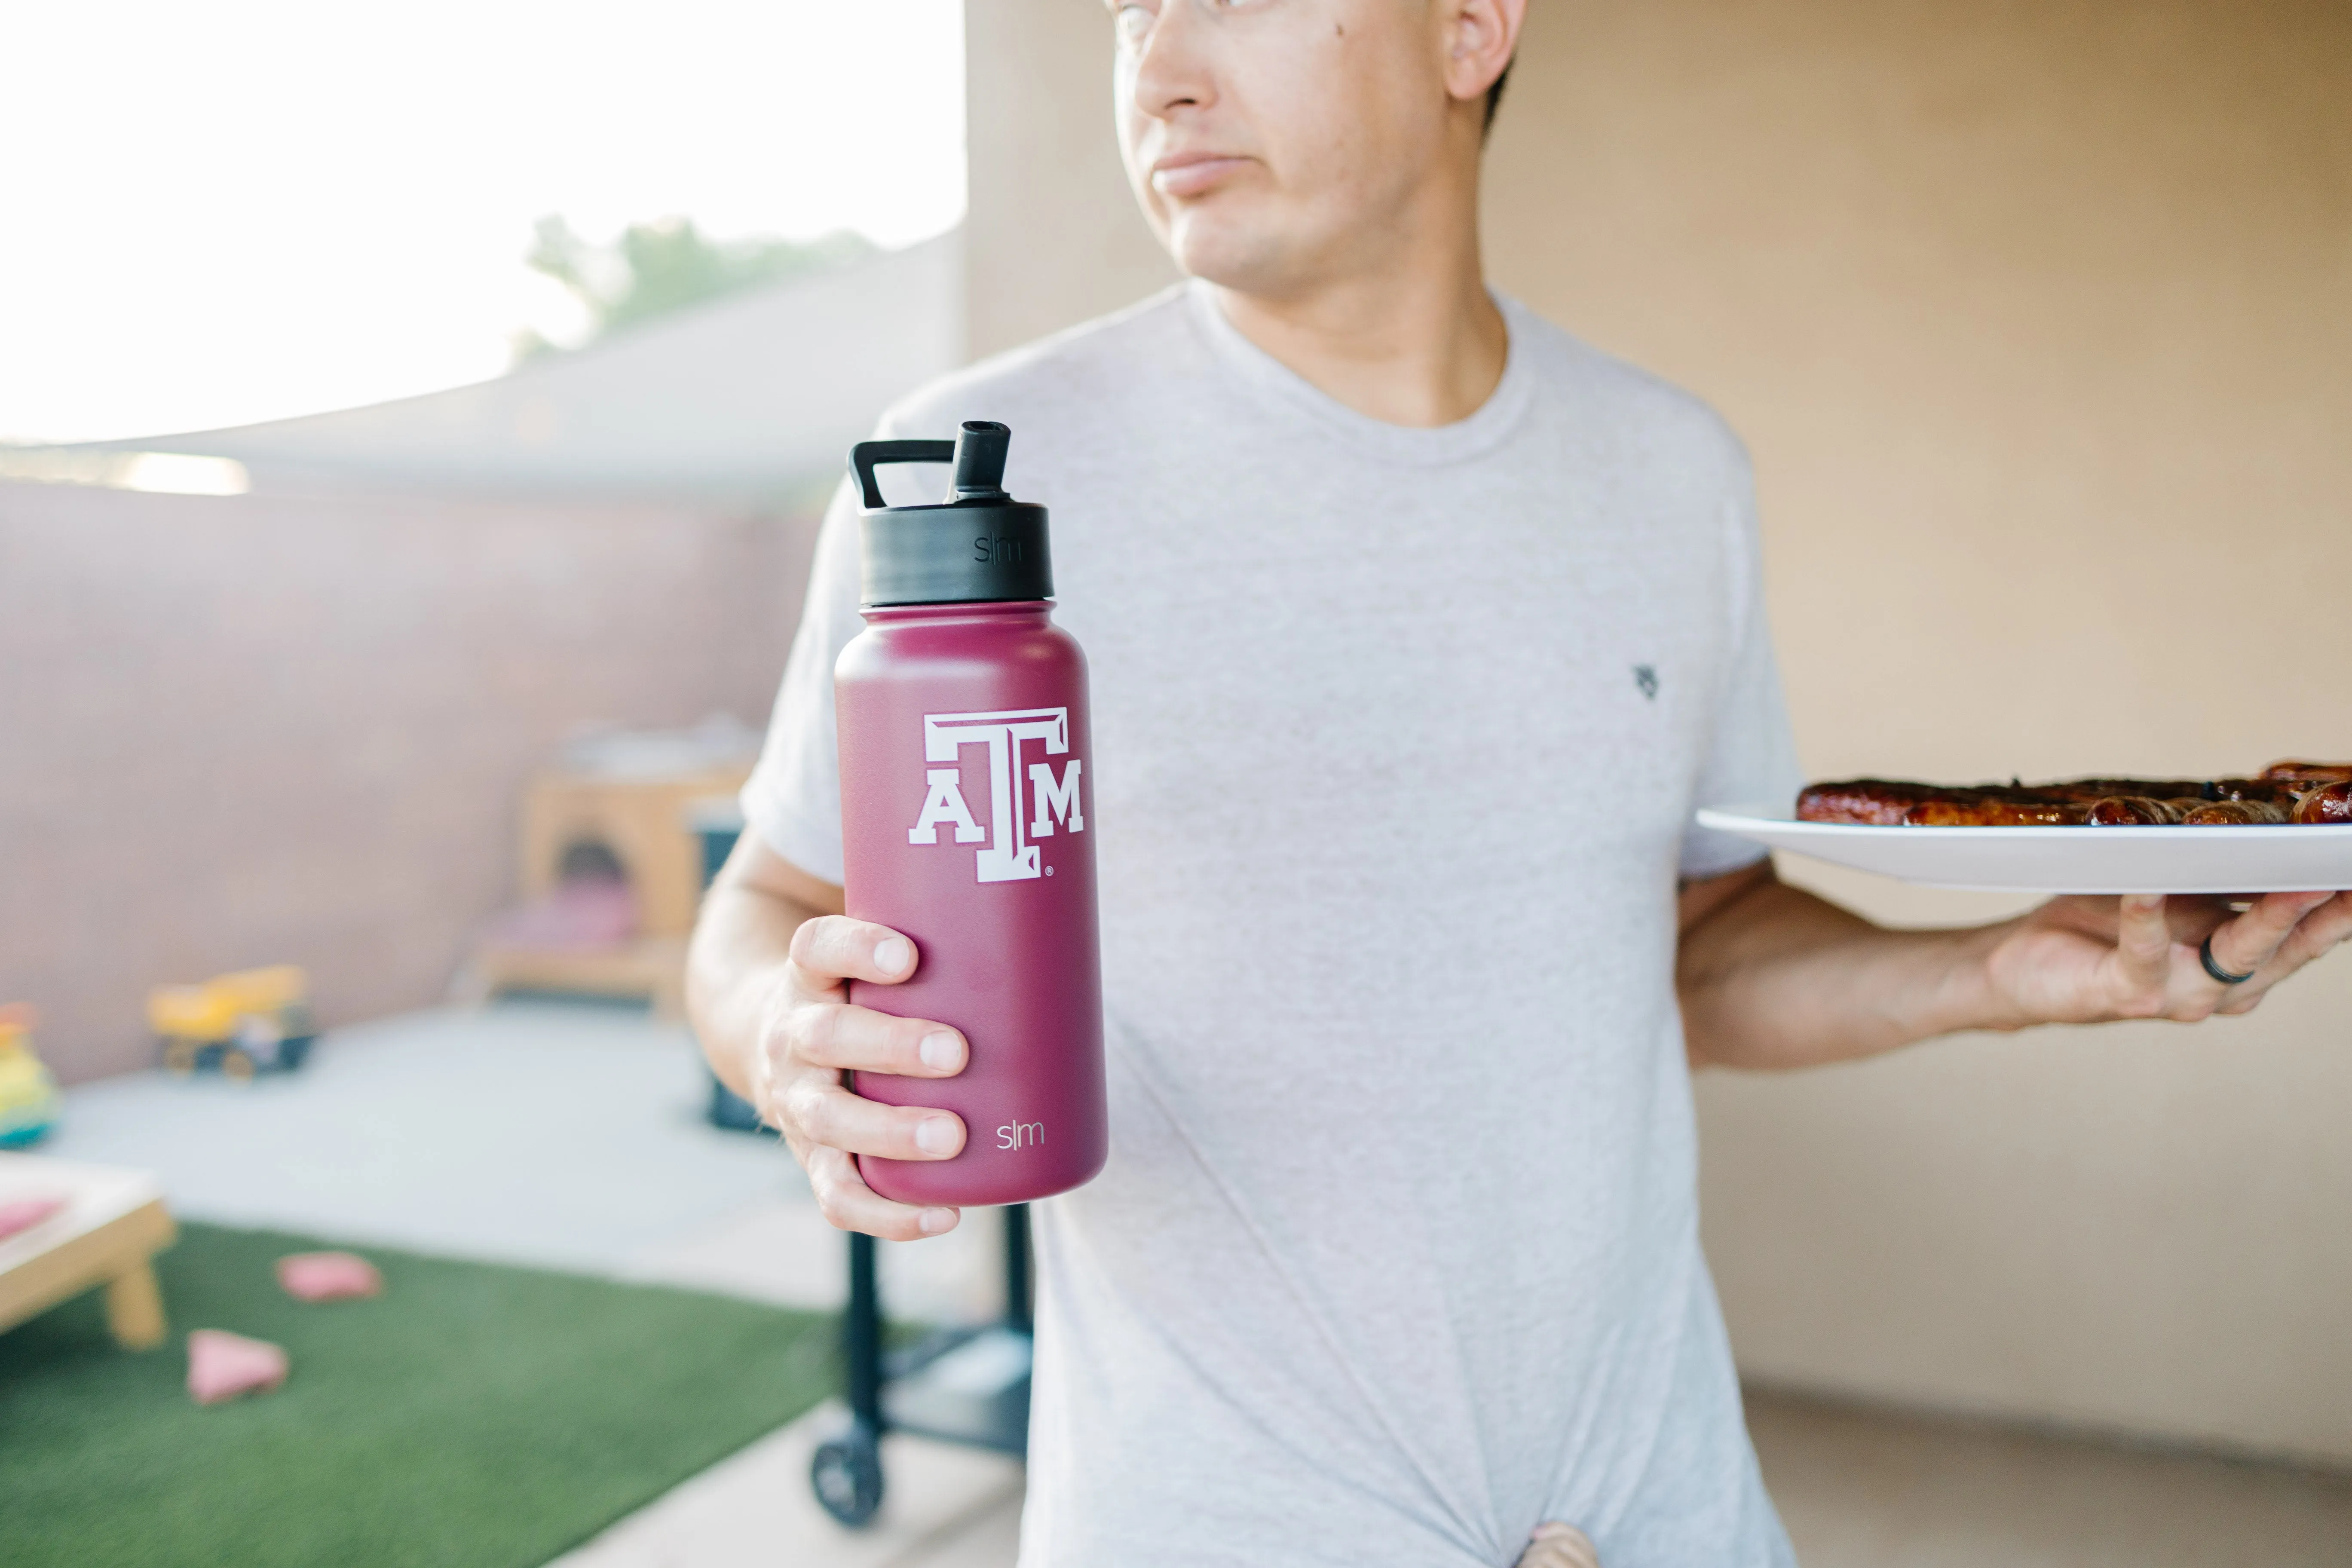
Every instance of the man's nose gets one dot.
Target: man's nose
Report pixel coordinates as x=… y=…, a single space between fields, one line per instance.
x=1171 y=69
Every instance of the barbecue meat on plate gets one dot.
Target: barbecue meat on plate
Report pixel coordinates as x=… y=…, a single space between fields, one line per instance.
x=2290 y=792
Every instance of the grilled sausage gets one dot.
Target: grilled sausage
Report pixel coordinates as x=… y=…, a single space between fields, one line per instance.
x=1993 y=808
x=2309 y=792
x=2309 y=773
x=1871 y=802
x=2328 y=805
x=2135 y=811
x=2217 y=813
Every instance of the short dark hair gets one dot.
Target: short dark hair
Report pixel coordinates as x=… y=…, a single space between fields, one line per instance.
x=1494 y=94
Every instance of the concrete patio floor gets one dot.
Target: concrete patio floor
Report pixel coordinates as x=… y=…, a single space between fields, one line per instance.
x=560 y=1135
x=571 y=1137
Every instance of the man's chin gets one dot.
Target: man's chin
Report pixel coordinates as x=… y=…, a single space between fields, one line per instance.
x=1233 y=255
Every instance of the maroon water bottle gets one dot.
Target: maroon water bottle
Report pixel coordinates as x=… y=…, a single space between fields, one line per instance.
x=967 y=794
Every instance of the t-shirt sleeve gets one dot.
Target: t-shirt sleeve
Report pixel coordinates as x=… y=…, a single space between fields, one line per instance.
x=792 y=799
x=1752 y=756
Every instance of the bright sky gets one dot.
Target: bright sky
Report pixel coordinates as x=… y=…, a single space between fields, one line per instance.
x=221 y=213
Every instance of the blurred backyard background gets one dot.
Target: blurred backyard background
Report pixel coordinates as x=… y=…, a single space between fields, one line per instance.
x=402 y=414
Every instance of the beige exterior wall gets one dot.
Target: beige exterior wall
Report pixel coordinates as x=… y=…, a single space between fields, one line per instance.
x=296 y=729
x=2038 y=319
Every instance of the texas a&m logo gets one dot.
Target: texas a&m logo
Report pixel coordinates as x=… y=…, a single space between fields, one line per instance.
x=1006 y=853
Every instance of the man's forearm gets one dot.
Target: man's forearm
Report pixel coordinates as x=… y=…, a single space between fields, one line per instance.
x=741 y=944
x=1774 y=977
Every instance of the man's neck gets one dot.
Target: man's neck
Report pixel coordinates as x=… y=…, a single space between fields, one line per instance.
x=1413 y=339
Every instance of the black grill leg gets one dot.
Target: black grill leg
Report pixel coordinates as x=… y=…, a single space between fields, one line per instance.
x=861 y=1336
x=1018 y=1309
x=845 y=1472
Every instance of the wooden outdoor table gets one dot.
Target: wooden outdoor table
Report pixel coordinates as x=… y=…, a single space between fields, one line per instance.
x=113 y=1223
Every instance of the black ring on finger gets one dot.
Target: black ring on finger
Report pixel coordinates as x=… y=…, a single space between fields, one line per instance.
x=2205 y=956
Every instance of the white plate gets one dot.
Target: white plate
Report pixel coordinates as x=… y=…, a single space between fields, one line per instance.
x=2219 y=860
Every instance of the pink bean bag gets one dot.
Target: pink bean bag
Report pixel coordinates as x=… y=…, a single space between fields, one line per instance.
x=328 y=1276
x=24 y=1213
x=221 y=1365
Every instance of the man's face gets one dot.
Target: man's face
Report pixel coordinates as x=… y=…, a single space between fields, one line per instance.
x=1275 y=144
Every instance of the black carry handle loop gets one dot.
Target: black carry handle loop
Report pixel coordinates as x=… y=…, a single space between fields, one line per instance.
x=867 y=456
x=977 y=452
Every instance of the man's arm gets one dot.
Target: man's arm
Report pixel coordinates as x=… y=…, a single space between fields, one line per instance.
x=1770 y=976
x=742 y=940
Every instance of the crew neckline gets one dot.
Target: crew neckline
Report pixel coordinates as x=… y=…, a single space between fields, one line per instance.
x=1482 y=431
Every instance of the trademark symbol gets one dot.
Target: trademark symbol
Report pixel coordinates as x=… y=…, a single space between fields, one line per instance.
x=1049 y=870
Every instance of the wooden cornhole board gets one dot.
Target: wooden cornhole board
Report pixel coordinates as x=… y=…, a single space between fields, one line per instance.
x=113 y=1223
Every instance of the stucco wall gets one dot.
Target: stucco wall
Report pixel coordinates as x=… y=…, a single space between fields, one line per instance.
x=1052 y=236
x=294 y=729
x=2034 y=315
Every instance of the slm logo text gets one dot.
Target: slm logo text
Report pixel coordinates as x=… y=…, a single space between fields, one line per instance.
x=1007 y=851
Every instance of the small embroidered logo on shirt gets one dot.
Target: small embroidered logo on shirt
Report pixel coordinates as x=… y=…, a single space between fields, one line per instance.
x=1645 y=676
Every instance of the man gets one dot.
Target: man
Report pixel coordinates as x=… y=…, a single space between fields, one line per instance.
x=1418 y=632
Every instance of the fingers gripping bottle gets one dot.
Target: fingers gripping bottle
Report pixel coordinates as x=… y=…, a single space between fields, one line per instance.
x=967 y=793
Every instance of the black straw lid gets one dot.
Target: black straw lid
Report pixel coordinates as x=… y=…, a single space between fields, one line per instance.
x=978 y=544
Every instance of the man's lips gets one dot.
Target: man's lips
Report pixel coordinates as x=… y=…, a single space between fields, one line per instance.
x=1184 y=174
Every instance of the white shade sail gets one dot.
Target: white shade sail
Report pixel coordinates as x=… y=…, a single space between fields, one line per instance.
x=755 y=393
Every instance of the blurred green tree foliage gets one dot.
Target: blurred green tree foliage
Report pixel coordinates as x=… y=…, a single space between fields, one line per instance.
x=656 y=267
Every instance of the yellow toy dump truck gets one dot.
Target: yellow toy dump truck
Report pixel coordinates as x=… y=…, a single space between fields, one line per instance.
x=257 y=1020
x=28 y=1094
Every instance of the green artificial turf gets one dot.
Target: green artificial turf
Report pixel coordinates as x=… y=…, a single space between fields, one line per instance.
x=471 y=1416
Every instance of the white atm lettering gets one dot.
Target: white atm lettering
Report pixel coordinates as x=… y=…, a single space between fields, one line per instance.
x=1055 y=799
x=1005 y=853
x=945 y=803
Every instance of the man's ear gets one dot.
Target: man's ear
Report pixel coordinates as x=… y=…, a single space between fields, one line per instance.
x=1480 y=38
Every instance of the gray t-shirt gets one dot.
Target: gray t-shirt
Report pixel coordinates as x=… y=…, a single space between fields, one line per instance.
x=1398 y=733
